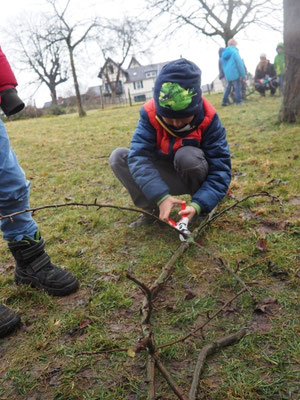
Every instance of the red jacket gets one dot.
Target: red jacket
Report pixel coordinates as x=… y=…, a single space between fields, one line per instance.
x=7 y=77
x=163 y=135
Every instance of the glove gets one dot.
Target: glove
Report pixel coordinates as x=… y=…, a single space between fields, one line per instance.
x=11 y=102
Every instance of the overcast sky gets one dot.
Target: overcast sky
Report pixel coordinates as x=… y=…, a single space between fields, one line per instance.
x=203 y=51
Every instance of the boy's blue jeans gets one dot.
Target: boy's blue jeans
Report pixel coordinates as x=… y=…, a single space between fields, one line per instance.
x=14 y=193
x=237 y=92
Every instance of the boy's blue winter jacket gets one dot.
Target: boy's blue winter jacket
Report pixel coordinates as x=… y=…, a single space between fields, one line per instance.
x=144 y=150
x=232 y=63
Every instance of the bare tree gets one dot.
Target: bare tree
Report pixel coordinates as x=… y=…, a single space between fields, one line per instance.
x=223 y=18
x=36 y=51
x=72 y=34
x=291 y=88
x=123 y=38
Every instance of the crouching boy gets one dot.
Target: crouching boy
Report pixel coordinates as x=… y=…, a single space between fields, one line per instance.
x=179 y=147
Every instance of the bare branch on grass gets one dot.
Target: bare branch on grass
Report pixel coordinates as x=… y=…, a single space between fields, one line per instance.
x=173 y=385
x=255 y=263
x=147 y=304
x=200 y=327
x=151 y=377
x=207 y=351
x=149 y=294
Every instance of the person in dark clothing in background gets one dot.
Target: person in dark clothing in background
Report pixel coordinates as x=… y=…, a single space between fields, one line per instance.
x=221 y=71
x=265 y=77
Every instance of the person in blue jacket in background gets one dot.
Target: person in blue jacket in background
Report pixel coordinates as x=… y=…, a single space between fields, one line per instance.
x=179 y=147
x=234 y=71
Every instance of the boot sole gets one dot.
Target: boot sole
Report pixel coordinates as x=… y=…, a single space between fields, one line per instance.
x=10 y=326
x=71 y=288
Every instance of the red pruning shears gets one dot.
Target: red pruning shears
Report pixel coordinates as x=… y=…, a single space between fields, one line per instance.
x=182 y=225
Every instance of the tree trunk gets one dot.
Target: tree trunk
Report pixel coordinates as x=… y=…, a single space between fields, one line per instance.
x=53 y=94
x=81 y=111
x=291 y=89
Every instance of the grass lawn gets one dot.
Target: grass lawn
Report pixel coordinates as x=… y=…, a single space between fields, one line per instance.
x=66 y=160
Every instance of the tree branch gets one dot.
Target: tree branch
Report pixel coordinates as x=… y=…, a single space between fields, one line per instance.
x=207 y=351
x=176 y=389
x=151 y=377
x=200 y=327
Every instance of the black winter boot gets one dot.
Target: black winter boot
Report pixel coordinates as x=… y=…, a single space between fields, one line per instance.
x=9 y=321
x=34 y=267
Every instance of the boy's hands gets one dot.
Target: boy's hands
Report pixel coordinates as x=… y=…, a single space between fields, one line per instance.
x=189 y=212
x=166 y=206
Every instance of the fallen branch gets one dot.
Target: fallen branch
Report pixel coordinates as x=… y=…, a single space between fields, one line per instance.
x=176 y=389
x=255 y=263
x=207 y=351
x=223 y=263
x=147 y=307
x=151 y=377
x=260 y=194
x=199 y=328
x=91 y=353
x=87 y=205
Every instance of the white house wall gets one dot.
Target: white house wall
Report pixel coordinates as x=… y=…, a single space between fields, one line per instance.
x=147 y=89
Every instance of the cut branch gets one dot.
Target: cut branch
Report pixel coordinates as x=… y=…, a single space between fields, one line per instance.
x=147 y=304
x=207 y=351
x=199 y=328
x=151 y=377
x=173 y=385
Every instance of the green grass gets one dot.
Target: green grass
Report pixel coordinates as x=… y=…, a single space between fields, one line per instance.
x=66 y=159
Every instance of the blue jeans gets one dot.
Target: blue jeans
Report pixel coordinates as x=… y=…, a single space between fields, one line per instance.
x=237 y=92
x=14 y=193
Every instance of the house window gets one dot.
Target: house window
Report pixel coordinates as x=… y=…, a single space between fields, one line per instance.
x=151 y=74
x=119 y=87
x=106 y=87
x=138 y=85
x=111 y=69
x=140 y=97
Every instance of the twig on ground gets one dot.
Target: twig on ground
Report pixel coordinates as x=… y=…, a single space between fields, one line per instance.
x=211 y=317
x=91 y=353
x=87 y=205
x=207 y=351
x=255 y=263
x=173 y=385
x=151 y=377
x=260 y=194
x=147 y=305
x=223 y=263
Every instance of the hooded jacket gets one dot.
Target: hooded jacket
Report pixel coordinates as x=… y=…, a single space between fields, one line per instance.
x=9 y=100
x=232 y=63
x=279 y=62
x=7 y=77
x=152 y=141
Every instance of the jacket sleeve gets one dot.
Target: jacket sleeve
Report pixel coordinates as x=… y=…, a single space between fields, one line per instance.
x=141 y=160
x=7 y=77
x=215 y=148
x=240 y=65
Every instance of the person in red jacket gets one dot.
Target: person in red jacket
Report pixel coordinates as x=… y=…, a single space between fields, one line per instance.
x=33 y=265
